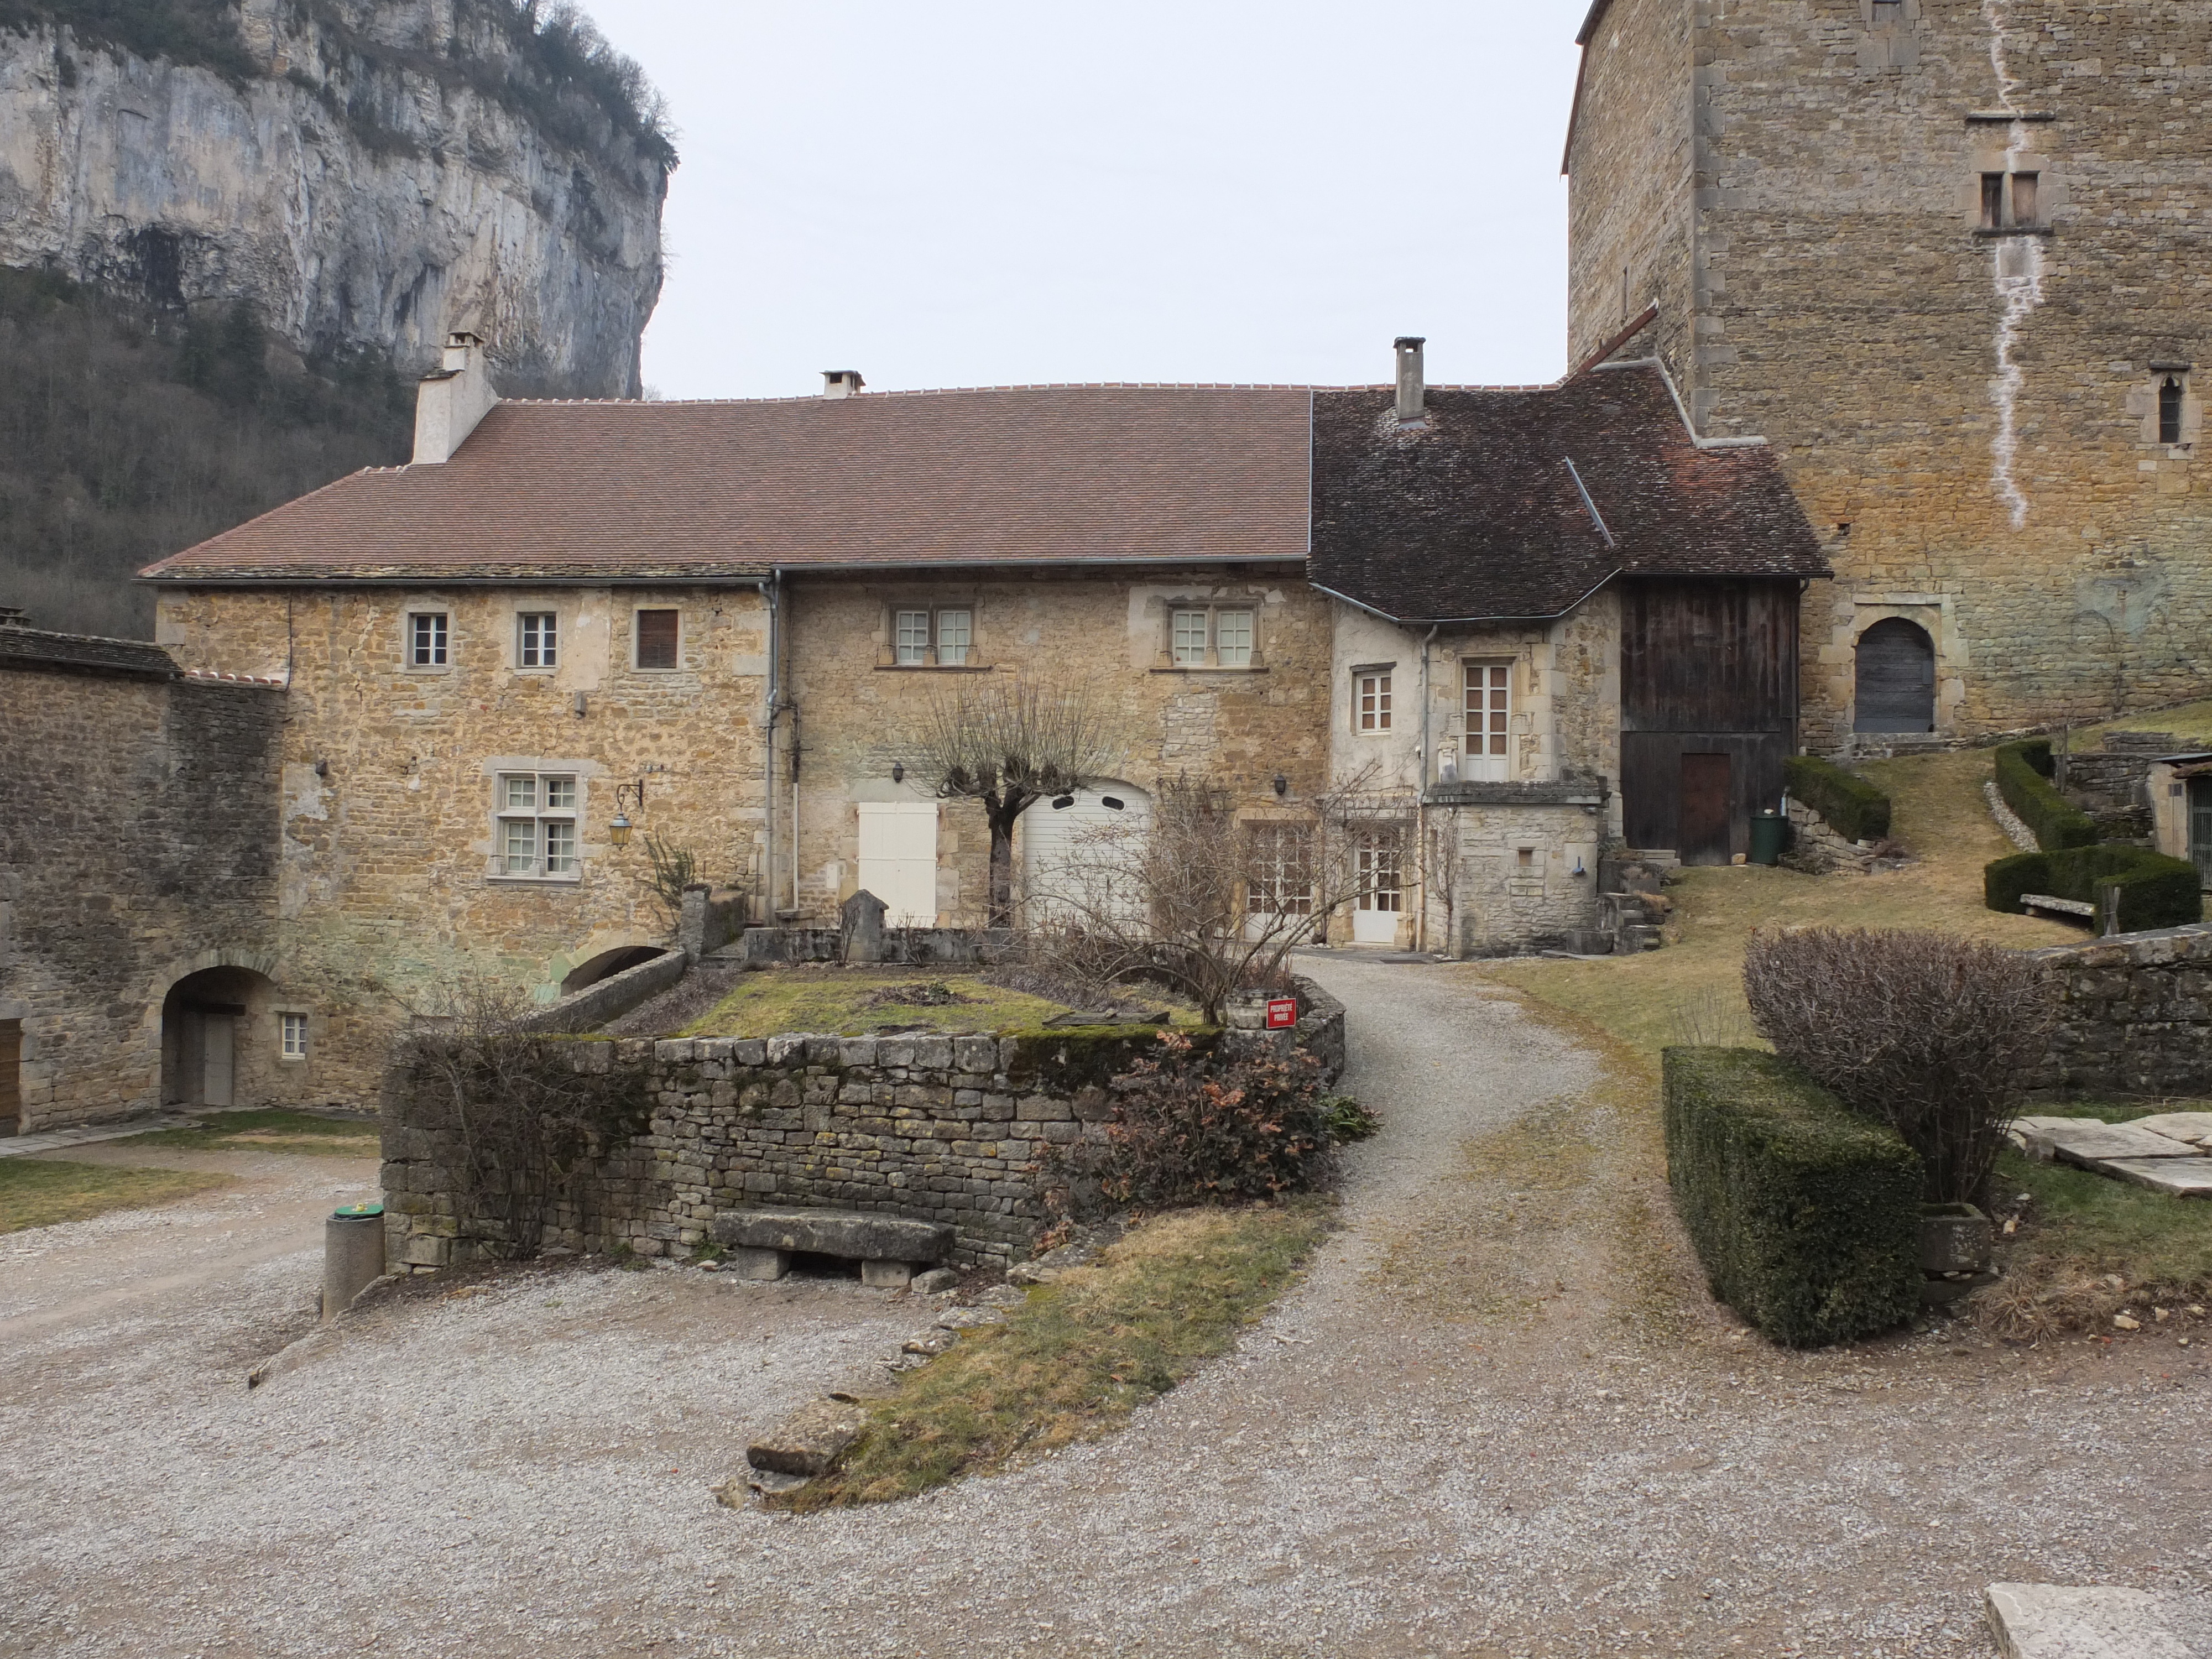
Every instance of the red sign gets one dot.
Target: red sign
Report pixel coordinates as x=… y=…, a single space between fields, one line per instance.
x=1282 y=1011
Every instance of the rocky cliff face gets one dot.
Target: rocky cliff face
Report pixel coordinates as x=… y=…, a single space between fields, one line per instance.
x=366 y=172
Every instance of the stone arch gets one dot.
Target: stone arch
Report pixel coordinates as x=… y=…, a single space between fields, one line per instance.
x=1894 y=677
x=216 y=1039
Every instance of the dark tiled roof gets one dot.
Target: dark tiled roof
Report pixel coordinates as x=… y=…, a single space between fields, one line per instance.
x=1476 y=515
x=34 y=647
x=639 y=491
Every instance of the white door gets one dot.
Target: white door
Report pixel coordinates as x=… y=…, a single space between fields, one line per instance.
x=1072 y=847
x=1382 y=892
x=898 y=860
x=217 y=1059
x=1488 y=692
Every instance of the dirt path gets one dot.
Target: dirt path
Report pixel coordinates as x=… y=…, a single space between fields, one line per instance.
x=1491 y=1422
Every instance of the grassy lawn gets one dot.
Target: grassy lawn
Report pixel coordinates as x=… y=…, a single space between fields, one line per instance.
x=1083 y=1352
x=1692 y=991
x=271 y=1131
x=860 y=1001
x=37 y=1192
x=2191 y=726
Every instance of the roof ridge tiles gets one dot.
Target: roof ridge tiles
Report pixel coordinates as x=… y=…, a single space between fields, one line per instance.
x=1022 y=385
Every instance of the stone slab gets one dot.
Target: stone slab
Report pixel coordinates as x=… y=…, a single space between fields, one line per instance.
x=851 y=1233
x=810 y=1441
x=887 y=1275
x=2086 y=1141
x=2184 y=1177
x=2077 y=1621
x=2193 y=1127
x=758 y=1264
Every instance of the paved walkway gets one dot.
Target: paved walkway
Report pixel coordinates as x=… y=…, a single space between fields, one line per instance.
x=86 y=1134
x=1498 y=1419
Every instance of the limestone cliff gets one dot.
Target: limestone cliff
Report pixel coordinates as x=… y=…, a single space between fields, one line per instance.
x=365 y=172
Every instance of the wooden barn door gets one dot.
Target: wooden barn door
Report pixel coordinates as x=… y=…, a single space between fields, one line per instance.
x=1896 y=674
x=1703 y=834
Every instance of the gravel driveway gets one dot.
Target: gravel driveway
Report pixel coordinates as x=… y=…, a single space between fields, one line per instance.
x=1489 y=1422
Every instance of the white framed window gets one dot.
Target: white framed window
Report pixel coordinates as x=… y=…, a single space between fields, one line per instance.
x=657 y=639
x=944 y=638
x=1489 y=709
x=426 y=639
x=536 y=825
x=1382 y=886
x=1210 y=637
x=292 y=1037
x=1187 y=638
x=1370 y=701
x=1278 y=869
x=537 y=640
x=1232 y=638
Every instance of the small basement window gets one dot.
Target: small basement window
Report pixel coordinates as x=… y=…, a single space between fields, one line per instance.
x=658 y=634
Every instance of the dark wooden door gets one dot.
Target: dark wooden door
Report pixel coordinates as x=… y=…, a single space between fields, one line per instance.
x=12 y=1076
x=2200 y=828
x=1702 y=835
x=1896 y=675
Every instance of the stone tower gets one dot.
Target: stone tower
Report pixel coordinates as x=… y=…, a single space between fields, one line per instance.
x=1949 y=258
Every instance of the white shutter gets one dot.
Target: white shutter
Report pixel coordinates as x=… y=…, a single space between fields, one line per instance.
x=898 y=860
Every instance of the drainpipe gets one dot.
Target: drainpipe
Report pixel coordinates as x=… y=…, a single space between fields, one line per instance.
x=1420 y=803
x=792 y=704
x=774 y=592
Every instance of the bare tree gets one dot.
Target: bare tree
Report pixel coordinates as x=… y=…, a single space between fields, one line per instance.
x=1009 y=744
x=1197 y=901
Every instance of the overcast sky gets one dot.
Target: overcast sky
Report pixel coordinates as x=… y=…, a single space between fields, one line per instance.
x=972 y=192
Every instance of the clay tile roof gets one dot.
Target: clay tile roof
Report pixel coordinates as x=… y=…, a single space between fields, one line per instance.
x=645 y=490
x=36 y=648
x=1476 y=515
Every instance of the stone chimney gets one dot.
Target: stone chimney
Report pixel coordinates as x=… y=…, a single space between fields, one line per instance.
x=840 y=382
x=1412 y=388
x=449 y=403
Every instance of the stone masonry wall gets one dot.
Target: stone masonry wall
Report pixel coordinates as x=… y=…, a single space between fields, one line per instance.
x=137 y=845
x=2136 y=1014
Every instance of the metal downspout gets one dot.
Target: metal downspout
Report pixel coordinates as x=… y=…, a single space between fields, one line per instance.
x=1420 y=803
x=775 y=591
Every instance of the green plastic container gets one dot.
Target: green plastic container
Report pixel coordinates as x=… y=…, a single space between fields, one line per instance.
x=1766 y=831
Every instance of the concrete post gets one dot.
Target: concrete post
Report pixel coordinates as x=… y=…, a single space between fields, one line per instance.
x=353 y=1255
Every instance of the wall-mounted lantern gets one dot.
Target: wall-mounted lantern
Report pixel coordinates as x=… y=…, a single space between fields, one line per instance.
x=627 y=795
x=1282 y=786
x=898 y=771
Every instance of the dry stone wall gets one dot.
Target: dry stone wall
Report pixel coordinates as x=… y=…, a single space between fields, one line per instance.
x=2136 y=1014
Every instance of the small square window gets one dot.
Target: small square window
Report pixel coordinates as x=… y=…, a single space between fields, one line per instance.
x=537 y=640
x=912 y=638
x=292 y=1033
x=1373 y=702
x=955 y=630
x=426 y=639
x=658 y=634
x=518 y=794
x=1232 y=639
x=518 y=847
x=560 y=795
x=1188 y=639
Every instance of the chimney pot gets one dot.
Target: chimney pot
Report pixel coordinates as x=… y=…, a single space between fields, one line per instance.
x=1412 y=388
x=840 y=382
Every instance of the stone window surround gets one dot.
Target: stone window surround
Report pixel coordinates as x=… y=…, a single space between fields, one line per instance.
x=427 y=607
x=1930 y=612
x=1988 y=157
x=2143 y=402
x=522 y=608
x=683 y=639
x=494 y=846
x=1213 y=604
x=933 y=600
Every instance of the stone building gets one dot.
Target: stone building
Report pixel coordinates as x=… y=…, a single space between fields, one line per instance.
x=137 y=886
x=1948 y=260
x=1562 y=623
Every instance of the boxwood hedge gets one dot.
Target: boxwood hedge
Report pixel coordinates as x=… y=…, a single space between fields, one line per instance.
x=2155 y=890
x=1806 y=1216
x=2024 y=771
x=1846 y=802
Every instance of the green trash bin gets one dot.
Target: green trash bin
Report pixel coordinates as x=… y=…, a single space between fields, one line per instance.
x=1767 y=828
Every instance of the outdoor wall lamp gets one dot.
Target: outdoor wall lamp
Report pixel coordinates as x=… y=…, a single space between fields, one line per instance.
x=1282 y=786
x=898 y=771
x=626 y=795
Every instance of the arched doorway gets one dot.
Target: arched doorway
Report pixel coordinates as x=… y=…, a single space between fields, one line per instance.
x=1896 y=678
x=208 y=1036
x=607 y=964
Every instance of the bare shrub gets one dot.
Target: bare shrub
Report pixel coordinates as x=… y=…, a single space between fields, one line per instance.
x=1932 y=1035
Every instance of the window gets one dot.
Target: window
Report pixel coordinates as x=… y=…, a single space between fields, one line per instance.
x=920 y=638
x=2169 y=408
x=1992 y=201
x=1217 y=638
x=1489 y=708
x=2023 y=197
x=1381 y=888
x=1279 y=879
x=1888 y=14
x=2023 y=208
x=426 y=639
x=292 y=1036
x=536 y=825
x=658 y=635
x=536 y=639
x=1372 y=703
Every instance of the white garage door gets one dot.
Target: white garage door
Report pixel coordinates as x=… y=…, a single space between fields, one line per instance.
x=1056 y=855
x=898 y=860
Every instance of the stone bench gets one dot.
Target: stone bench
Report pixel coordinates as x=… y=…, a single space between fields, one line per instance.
x=2081 y=909
x=890 y=1249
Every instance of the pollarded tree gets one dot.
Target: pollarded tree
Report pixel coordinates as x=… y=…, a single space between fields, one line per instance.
x=1008 y=744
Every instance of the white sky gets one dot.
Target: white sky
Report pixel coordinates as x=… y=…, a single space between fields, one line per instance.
x=974 y=192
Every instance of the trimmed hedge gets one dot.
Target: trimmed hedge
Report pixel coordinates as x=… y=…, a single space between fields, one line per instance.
x=2024 y=772
x=2155 y=890
x=1846 y=802
x=1806 y=1216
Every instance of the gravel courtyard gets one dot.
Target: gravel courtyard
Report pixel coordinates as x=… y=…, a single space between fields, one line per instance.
x=1498 y=1419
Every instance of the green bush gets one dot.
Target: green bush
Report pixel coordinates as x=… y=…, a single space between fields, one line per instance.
x=2024 y=772
x=2155 y=890
x=1846 y=802
x=1806 y=1216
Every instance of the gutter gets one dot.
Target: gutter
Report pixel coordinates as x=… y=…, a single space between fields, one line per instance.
x=595 y=579
x=1469 y=622
x=1681 y=409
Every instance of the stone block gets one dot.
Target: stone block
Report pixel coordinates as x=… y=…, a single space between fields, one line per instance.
x=856 y=1051
x=1954 y=1238
x=975 y=1054
x=2100 y=1621
x=936 y=1279
x=2086 y=1141
x=852 y=1233
x=757 y=1264
x=933 y=1052
x=2184 y=1177
x=750 y=1051
x=810 y=1441
x=885 y=1274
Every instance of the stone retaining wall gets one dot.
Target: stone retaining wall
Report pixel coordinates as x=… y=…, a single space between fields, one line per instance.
x=902 y=946
x=1814 y=846
x=2136 y=1014
x=610 y=999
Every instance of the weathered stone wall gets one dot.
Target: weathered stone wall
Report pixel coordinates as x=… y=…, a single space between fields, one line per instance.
x=1969 y=419
x=137 y=845
x=2136 y=1014
x=390 y=896
x=1816 y=847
